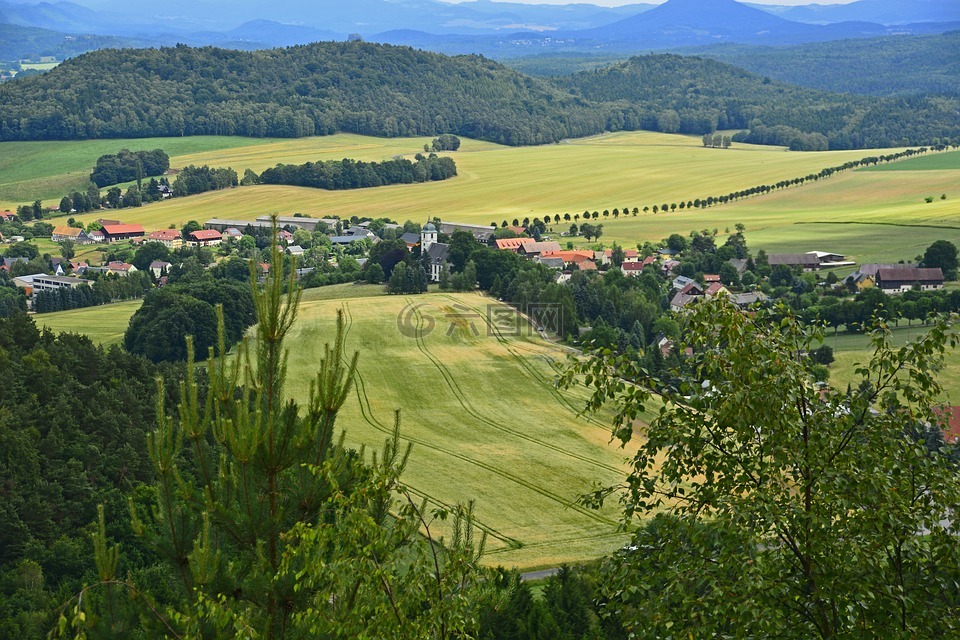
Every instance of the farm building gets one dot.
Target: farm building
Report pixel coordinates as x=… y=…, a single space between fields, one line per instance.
x=806 y=261
x=901 y=279
x=220 y=224
x=77 y=236
x=118 y=232
x=309 y=224
x=512 y=244
x=531 y=249
x=481 y=233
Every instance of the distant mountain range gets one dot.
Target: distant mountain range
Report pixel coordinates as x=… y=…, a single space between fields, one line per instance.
x=495 y=29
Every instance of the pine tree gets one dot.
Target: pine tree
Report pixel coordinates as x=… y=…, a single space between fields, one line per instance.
x=270 y=525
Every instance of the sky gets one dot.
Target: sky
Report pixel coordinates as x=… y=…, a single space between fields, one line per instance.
x=617 y=3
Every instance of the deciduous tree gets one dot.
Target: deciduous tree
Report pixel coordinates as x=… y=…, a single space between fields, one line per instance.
x=787 y=511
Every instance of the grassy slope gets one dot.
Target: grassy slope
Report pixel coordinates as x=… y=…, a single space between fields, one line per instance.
x=485 y=421
x=104 y=325
x=51 y=170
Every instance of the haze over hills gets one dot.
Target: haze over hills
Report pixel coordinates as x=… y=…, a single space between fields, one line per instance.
x=446 y=26
x=880 y=11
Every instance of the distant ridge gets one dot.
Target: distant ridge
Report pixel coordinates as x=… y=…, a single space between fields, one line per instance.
x=886 y=12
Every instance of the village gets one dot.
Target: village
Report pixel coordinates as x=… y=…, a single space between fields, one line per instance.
x=331 y=244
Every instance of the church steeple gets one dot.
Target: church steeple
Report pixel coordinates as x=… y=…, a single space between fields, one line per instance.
x=428 y=236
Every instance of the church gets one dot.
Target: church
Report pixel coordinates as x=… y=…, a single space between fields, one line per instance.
x=433 y=253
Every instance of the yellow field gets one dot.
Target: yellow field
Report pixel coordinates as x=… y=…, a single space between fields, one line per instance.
x=495 y=183
x=483 y=415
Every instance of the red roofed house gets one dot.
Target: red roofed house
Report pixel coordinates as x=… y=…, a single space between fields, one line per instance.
x=512 y=244
x=710 y=277
x=167 y=237
x=6 y=216
x=118 y=232
x=205 y=238
x=574 y=256
x=632 y=268
x=951 y=424
x=715 y=289
x=587 y=265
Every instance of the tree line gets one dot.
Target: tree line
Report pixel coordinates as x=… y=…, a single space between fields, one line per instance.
x=127 y=165
x=355 y=174
x=104 y=290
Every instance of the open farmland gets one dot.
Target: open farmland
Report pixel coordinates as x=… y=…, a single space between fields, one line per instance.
x=495 y=182
x=484 y=417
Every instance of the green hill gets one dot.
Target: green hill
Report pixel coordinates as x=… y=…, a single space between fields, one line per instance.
x=315 y=89
x=706 y=93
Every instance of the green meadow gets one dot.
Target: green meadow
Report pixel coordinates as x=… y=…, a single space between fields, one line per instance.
x=52 y=169
x=850 y=350
x=935 y=162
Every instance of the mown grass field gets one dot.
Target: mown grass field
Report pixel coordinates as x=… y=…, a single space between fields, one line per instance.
x=483 y=415
x=104 y=324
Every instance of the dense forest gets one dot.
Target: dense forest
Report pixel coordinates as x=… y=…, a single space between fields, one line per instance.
x=887 y=66
x=693 y=95
x=382 y=90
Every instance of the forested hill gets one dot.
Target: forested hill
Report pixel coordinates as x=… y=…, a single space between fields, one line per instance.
x=901 y=65
x=705 y=93
x=314 y=89
x=384 y=90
